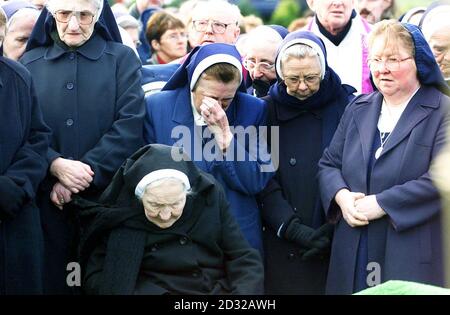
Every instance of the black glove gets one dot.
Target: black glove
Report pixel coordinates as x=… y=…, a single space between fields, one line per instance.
x=303 y=235
x=325 y=232
x=12 y=197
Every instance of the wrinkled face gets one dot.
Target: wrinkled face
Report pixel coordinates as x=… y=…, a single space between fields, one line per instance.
x=172 y=44
x=302 y=76
x=164 y=203
x=73 y=33
x=440 y=45
x=260 y=62
x=372 y=10
x=333 y=14
x=395 y=73
x=198 y=37
x=210 y=87
x=17 y=37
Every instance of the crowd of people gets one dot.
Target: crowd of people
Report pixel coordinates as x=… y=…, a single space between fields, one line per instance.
x=178 y=151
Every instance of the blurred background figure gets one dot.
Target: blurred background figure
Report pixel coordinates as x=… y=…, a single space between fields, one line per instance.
x=441 y=177
x=251 y=22
x=260 y=50
x=299 y=23
x=376 y=10
x=435 y=25
x=18 y=30
x=130 y=25
x=439 y=42
x=413 y=16
x=345 y=34
x=167 y=37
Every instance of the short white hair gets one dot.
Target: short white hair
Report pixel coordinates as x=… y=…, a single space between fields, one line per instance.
x=228 y=9
x=262 y=35
x=51 y=6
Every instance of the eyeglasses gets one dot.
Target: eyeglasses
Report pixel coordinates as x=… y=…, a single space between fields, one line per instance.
x=83 y=17
x=391 y=64
x=217 y=27
x=175 y=36
x=309 y=80
x=263 y=66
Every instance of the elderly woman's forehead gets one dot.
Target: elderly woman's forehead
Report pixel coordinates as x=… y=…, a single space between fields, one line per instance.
x=76 y=5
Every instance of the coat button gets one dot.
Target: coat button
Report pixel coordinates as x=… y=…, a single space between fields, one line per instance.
x=69 y=122
x=69 y=86
x=154 y=248
x=292 y=161
x=295 y=209
x=195 y=274
x=291 y=256
x=183 y=240
x=71 y=56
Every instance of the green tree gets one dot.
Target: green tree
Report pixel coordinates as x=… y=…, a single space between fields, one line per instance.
x=247 y=8
x=285 y=12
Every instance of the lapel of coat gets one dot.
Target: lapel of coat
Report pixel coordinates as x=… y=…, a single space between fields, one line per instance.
x=365 y=115
x=417 y=110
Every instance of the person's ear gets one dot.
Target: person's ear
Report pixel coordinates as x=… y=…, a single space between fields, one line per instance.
x=155 y=44
x=236 y=33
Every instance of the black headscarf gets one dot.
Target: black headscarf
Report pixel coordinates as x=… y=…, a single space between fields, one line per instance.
x=106 y=27
x=119 y=207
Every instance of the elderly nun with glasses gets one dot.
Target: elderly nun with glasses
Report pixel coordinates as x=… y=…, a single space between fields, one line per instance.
x=305 y=104
x=163 y=226
x=374 y=177
x=88 y=85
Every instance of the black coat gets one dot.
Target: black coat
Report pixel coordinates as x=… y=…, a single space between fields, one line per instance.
x=304 y=130
x=23 y=145
x=92 y=100
x=204 y=252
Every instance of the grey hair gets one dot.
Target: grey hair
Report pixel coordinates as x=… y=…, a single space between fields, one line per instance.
x=156 y=183
x=300 y=51
x=227 y=8
x=51 y=7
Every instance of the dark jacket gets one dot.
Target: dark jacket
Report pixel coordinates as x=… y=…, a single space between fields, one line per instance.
x=406 y=243
x=92 y=100
x=204 y=252
x=23 y=145
x=305 y=129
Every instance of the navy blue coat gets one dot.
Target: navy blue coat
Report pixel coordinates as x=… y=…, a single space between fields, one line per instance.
x=23 y=145
x=406 y=243
x=92 y=100
x=241 y=180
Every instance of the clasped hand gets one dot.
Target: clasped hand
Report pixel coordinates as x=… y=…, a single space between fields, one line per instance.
x=73 y=177
x=357 y=208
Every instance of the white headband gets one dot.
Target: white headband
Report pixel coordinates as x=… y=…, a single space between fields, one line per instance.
x=212 y=60
x=306 y=42
x=157 y=175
